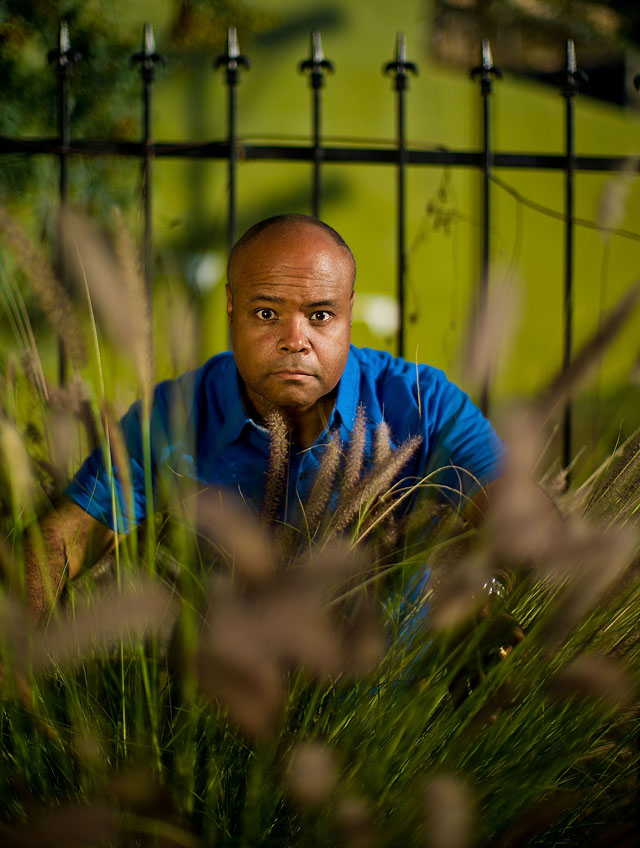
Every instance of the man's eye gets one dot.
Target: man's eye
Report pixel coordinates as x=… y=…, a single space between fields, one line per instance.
x=265 y=314
x=320 y=315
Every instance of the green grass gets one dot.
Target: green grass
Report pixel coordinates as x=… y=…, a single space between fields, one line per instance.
x=269 y=709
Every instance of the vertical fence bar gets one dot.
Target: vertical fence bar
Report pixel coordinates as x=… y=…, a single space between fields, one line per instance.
x=232 y=61
x=63 y=57
x=401 y=69
x=485 y=71
x=147 y=58
x=317 y=66
x=570 y=88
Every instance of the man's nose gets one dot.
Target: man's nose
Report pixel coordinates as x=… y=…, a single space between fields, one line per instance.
x=293 y=338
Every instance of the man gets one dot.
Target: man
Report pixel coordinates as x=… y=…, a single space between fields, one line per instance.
x=289 y=303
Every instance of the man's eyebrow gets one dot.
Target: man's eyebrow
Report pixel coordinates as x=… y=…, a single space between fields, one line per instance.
x=270 y=298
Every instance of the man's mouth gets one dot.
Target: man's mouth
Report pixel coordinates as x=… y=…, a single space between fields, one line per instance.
x=292 y=374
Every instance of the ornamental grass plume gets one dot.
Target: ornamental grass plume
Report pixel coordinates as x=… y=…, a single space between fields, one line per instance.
x=278 y=458
x=323 y=485
x=108 y=276
x=48 y=289
x=253 y=635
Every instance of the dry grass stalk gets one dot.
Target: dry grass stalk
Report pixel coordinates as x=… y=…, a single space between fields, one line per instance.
x=111 y=280
x=278 y=463
x=47 y=287
x=615 y=492
x=17 y=467
x=119 y=455
x=491 y=330
x=138 y=301
x=565 y=384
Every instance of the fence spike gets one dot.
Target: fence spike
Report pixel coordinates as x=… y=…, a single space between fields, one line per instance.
x=232 y=60
x=487 y=58
x=316 y=63
x=486 y=69
x=572 y=78
x=317 y=52
x=63 y=55
x=148 y=58
x=571 y=56
x=401 y=67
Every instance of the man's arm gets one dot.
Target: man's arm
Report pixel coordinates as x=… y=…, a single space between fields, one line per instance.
x=66 y=540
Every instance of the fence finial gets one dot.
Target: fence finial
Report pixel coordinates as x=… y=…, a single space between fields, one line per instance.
x=148 y=58
x=572 y=78
x=232 y=60
x=486 y=69
x=63 y=55
x=401 y=68
x=316 y=63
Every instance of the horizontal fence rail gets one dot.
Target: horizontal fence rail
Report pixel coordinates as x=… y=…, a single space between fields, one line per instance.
x=319 y=150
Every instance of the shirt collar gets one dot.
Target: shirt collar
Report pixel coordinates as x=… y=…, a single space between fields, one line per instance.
x=348 y=395
x=237 y=417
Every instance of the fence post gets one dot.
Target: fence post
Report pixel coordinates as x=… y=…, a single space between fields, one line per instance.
x=485 y=71
x=317 y=66
x=232 y=61
x=401 y=69
x=63 y=57
x=572 y=78
x=147 y=58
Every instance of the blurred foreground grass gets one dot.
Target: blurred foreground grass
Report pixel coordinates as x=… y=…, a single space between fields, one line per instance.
x=223 y=682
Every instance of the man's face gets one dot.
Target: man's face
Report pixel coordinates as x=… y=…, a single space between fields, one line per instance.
x=289 y=306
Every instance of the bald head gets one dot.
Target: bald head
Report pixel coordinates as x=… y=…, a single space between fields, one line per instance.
x=281 y=228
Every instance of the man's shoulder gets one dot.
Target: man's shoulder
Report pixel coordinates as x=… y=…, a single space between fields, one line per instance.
x=386 y=369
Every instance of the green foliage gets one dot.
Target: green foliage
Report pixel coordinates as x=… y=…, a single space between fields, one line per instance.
x=171 y=701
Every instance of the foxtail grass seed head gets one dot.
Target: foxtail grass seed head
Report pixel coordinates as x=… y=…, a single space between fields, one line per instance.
x=278 y=462
x=354 y=821
x=137 y=301
x=312 y=774
x=612 y=206
x=244 y=543
x=565 y=384
x=448 y=812
x=324 y=482
x=355 y=455
x=382 y=446
x=47 y=287
x=492 y=328
x=112 y=281
x=17 y=467
x=129 y=613
x=594 y=677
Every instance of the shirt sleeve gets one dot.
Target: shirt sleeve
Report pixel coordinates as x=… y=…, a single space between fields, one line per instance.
x=118 y=498
x=465 y=454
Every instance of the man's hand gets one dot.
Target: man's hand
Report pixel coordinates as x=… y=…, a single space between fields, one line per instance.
x=64 y=542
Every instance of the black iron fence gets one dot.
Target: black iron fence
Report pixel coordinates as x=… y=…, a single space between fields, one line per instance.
x=399 y=156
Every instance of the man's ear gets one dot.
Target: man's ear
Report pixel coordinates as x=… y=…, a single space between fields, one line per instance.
x=351 y=299
x=229 y=302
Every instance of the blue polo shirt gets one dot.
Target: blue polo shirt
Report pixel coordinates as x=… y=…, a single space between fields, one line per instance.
x=200 y=429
